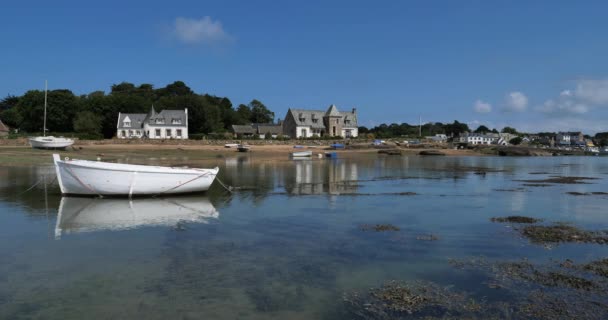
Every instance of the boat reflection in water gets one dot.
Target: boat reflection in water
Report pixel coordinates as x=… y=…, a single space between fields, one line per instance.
x=78 y=214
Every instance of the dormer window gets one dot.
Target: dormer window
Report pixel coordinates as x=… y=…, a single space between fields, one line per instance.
x=315 y=120
x=347 y=121
x=160 y=121
x=176 y=121
x=127 y=123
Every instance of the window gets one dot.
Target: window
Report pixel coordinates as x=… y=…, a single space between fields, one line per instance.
x=130 y=133
x=137 y=132
x=179 y=132
x=123 y=133
x=347 y=121
x=176 y=121
x=157 y=132
x=315 y=120
x=168 y=133
x=337 y=121
x=348 y=133
x=303 y=133
x=127 y=124
x=160 y=121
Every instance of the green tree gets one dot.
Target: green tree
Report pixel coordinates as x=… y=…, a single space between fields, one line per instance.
x=244 y=114
x=259 y=112
x=515 y=141
x=88 y=122
x=509 y=130
x=482 y=129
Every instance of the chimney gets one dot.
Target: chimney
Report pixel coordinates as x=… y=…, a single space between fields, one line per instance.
x=355 y=110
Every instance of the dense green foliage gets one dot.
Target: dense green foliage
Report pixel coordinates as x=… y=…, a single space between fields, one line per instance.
x=407 y=130
x=515 y=141
x=96 y=113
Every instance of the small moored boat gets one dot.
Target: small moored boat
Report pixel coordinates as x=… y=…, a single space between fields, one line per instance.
x=96 y=178
x=49 y=142
x=231 y=145
x=301 y=154
x=243 y=148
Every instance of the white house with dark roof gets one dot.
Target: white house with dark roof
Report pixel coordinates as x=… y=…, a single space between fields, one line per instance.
x=167 y=124
x=303 y=123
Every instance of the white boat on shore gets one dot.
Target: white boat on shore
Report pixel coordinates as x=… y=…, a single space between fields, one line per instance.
x=231 y=145
x=78 y=214
x=49 y=142
x=243 y=148
x=96 y=178
x=301 y=154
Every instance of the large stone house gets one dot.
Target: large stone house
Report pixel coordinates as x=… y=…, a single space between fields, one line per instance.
x=167 y=124
x=302 y=123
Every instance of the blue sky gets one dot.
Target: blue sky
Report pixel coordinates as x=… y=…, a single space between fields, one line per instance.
x=535 y=65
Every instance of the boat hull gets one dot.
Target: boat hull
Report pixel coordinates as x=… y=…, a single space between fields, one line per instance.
x=50 y=143
x=81 y=177
x=301 y=154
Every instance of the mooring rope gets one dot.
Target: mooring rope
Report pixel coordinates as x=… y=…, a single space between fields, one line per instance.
x=35 y=184
x=228 y=188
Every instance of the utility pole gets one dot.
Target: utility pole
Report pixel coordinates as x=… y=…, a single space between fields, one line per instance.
x=420 y=127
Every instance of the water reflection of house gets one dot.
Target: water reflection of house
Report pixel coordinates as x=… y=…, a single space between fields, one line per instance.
x=321 y=177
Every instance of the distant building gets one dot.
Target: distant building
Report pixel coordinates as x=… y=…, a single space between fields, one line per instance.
x=4 y=130
x=303 y=123
x=570 y=138
x=167 y=124
x=257 y=129
x=478 y=138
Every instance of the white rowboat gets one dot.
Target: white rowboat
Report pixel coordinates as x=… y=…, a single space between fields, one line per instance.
x=96 y=178
x=301 y=154
x=50 y=142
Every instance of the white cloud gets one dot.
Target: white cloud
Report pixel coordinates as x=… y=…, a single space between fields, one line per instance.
x=482 y=107
x=516 y=101
x=564 y=105
x=202 y=31
x=592 y=91
x=587 y=95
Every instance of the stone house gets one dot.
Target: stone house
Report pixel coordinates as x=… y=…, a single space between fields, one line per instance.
x=303 y=123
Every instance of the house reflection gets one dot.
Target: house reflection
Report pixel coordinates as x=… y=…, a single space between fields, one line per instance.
x=78 y=214
x=322 y=177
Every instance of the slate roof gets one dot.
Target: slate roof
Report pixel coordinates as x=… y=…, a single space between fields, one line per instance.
x=168 y=116
x=3 y=127
x=304 y=117
x=272 y=128
x=137 y=120
x=243 y=129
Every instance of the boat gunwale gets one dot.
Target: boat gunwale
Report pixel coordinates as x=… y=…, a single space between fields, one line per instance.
x=136 y=168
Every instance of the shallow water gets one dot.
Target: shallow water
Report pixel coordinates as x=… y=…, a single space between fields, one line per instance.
x=288 y=244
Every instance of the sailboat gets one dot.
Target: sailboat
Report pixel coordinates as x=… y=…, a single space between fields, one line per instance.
x=49 y=142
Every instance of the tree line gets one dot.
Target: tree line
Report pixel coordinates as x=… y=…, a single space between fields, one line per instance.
x=96 y=114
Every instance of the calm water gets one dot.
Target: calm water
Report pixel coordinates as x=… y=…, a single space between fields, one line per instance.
x=287 y=245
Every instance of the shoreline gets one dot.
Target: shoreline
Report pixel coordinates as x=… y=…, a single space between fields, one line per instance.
x=25 y=155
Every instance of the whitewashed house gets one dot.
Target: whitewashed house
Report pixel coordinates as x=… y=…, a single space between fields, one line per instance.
x=302 y=123
x=167 y=124
x=477 y=138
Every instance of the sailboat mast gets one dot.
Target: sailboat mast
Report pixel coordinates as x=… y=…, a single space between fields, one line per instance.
x=45 y=90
